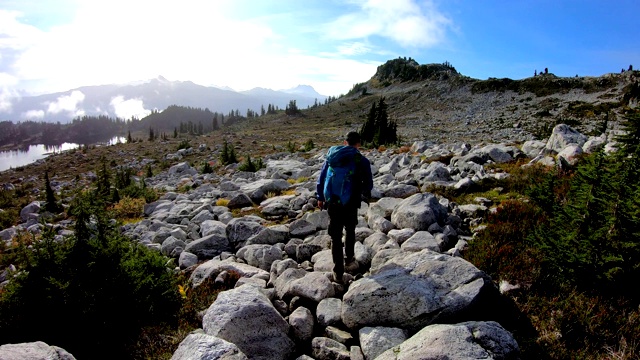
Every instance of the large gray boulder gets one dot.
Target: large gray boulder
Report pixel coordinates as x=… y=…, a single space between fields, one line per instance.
x=265 y=186
x=212 y=268
x=289 y=168
x=260 y=256
x=239 y=230
x=376 y=340
x=563 y=135
x=401 y=191
x=198 y=346
x=532 y=148
x=383 y=207
x=418 y=212
x=30 y=211
x=436 y=171
x=314 y=286
x=209 y=246
x=209 y=227
x=464 y=341
x=328 y=311
x=301 y=322
x=412 y=290
x=33 y=351
x=245 y=317
x=270 y=235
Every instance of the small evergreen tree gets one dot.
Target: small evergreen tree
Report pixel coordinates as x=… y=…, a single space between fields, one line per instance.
x=52 y=204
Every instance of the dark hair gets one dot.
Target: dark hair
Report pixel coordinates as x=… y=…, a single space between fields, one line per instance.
x=353 y=137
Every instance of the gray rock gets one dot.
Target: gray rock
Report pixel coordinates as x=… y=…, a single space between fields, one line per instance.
x=212 y=268
x=33 y=351
x=8 y=234
x=422 y=240
x=271 y=235
x=170 y=244
x=464 y=184
x=239 y=230
x=239 y=201
x=328 y=311
x=253 y=281
x=182 y=168
x=327 y=349
x=363 y=233
x=30 y=210
x=570 y=154
x=532 y=148
x=301 y=228
x=380 y=224
x=468 y=340
x=376 y=241
x=436 y=171
x=376 y=340
x=383 y=207
x=311 y=246
x=245 y=317
x=338 y=335
x=208 y=246
x=418 y=212
x=400 y=236
x=318 y=218
x=209 y=227
x=203 y=215
x=260 y=256
x=301 y=322
x=363 y=254
x=322 y=261
x=297 y=282
x=411 y=290
x=401 y=191
x=187 y=259
x=498 y=153
x=265 y=186
x=198 y=346
x=594 y=144
x=563 y=135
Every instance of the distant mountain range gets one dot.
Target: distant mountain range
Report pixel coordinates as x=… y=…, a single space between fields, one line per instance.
x=139 y=99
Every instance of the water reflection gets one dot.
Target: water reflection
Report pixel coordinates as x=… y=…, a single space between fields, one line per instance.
x=32 y=153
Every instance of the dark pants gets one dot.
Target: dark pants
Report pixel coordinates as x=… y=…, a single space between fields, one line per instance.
x=342 y=217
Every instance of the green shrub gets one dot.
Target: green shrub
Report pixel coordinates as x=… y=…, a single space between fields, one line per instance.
x=90 y=294
x=184 y=144
x=206 y=168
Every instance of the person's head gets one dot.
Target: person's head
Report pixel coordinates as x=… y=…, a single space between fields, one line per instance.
x=353 y=138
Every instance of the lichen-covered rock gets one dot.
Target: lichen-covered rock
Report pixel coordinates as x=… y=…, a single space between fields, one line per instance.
x=464 y=341
x=199 y=346
x=245 y=317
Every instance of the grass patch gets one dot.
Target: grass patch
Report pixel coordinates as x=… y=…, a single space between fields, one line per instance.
x=222 y=202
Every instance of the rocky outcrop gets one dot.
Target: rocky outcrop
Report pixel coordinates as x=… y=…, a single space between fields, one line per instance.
x=33 y=351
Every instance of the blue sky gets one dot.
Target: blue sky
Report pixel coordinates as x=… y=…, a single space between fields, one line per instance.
x=50 y=46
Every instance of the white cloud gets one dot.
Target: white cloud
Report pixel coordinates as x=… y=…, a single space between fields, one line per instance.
x=404 y=21
x=68 y=103
x=126 y=109
x=33 y=115
x=355 y=48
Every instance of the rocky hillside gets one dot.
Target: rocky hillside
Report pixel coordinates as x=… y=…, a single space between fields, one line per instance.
x=412 y=296
x=435 y=102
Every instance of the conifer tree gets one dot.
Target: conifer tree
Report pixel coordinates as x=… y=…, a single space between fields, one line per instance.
x=52 y=205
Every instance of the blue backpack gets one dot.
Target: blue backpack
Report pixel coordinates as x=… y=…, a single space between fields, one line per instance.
x=342 y=163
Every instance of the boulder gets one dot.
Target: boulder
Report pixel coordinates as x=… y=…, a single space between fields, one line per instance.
x=318 y=218
x=245 y=317
x=532 y=148
x=199 y=346
x=301 y=228
x=570 y=154
x=422 y=240
x=239 y=230
x=328 y=311
x=187 y=259
x=239 y=201
x=314 y=286
x=418 y=212
x=170 y=244
x=209 y=246
x=209 y=227
x=412 y=290
x=401 y=191
x=301 y=322
x=376 y=340
x=468 y=340
x=212 y=268
x=260 y=256
x=323 y=348
x=563 y=135
x=33 y=351
x=271 y=235
x=383 y=207
x=30 y=210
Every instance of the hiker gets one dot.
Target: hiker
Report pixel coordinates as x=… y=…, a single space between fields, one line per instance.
x=344 y=182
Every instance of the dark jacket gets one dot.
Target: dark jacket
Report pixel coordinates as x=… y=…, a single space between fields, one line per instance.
x=362 y=181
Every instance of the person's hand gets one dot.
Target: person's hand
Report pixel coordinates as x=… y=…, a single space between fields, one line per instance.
x=320 y=205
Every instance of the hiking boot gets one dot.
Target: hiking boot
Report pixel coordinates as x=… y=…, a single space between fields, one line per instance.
x=351 y=266
x=337 y=278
